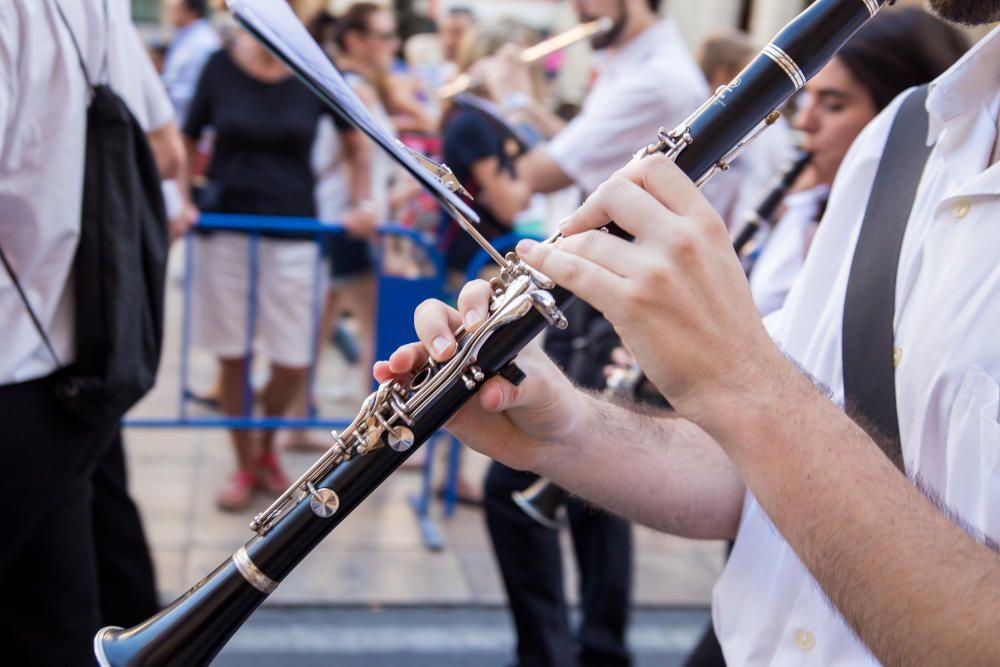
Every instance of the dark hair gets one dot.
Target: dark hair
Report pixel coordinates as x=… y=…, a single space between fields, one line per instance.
x=322 y=27
x=901 y=48
x=654 y=5
x=355 y=19
x=199 y=7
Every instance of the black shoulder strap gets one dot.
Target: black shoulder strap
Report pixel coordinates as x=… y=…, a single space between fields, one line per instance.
x=91 y=81
x=27 y=305
x=869 y=306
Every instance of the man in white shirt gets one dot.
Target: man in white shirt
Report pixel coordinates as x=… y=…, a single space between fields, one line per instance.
x=194 y=40
x=677 y=298
x=645 y=79
x=53 y=567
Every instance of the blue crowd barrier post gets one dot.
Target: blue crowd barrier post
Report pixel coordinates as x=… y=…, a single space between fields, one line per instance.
x=186 y=325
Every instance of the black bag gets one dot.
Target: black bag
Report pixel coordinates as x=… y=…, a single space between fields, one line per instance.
x=120 y=265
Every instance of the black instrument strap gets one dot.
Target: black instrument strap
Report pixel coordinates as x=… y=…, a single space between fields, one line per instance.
x=869 y=305
x=91 y=82
x=27 y=304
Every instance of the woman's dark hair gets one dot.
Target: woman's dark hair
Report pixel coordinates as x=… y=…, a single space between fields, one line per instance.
x=355 y=19
x=323 y=27
x=199 y=7
x=901 y=48
x=654 y=5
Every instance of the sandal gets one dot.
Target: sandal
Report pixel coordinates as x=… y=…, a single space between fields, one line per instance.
x=273 y=477
x=237 y=494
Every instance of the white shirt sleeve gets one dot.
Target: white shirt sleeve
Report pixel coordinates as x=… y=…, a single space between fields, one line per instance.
x=600 y=139
x=9 y=44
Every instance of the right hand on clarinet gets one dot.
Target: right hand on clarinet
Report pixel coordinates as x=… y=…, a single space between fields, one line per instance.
x=515 y=425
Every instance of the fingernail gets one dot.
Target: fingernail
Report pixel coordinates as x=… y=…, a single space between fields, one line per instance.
x=472 y=318
x=525 y=246
x=564 y=225
x=440 y=345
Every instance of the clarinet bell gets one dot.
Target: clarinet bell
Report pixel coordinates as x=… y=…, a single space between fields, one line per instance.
x=543 y=501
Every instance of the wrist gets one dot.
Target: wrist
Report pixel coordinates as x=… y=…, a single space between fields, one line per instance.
x=746 y=421
x=576 y=420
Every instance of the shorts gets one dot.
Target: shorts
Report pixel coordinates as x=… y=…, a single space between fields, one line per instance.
x=287 y=304
x=349 y=258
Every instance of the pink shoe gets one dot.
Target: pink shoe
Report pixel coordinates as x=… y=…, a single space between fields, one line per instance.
x=237 y=494
x=273 y=477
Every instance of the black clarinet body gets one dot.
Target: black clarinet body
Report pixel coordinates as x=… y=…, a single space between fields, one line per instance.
x=395 y=420
x=764 y=213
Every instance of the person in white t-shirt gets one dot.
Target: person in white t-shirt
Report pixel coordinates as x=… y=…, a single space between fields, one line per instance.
x=74 y=554
x=755 y=446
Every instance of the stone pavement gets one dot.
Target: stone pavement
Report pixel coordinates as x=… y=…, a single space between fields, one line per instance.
x=377 y=556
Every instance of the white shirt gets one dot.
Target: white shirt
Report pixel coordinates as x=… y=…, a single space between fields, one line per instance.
x=189 y=50
x=784 y=249
x=648 y=83
x=329 y=163
x=739 y=191
x=43 y=107
x=768 y=610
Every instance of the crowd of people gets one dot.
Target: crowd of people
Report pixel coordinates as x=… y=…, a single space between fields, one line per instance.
x=733 y=442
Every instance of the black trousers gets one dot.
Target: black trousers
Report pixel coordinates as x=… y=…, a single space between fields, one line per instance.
x=531 y=566
x=73 y=545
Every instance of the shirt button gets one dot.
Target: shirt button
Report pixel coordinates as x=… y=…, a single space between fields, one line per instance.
x=960 y=210
x=805 y=639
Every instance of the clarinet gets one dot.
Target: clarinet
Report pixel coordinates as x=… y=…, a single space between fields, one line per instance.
x=763 y=215
x=396 y=419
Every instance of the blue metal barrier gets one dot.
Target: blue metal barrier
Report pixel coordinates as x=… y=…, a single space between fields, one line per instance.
x=396 y=295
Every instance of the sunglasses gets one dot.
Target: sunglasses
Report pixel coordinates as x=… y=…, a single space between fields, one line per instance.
x=386 y=36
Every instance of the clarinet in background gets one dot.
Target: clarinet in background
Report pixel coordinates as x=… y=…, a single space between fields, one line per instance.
x=763 y=215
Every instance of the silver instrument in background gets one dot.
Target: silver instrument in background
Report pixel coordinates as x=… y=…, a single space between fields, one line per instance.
x=464 y=82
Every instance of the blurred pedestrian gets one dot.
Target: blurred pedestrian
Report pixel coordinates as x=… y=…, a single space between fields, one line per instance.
x=265 y=123
x=82 y=295
x=193 y=41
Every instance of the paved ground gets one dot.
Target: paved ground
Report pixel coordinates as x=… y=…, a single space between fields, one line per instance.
x=377 y=556
x=427 y=637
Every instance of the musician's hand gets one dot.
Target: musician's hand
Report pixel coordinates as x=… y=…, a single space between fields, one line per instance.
x=677 y=296
x=183 y=221
x=512 y=424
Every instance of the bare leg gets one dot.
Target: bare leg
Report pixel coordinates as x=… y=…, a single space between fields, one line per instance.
x=233 y=379
x=283 y=390
x=360 y=299
x=237 y=493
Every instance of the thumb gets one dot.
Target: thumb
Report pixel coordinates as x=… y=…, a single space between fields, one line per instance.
x=498 y=394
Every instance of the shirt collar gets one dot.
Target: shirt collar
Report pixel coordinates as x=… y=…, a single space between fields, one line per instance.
x=640 y=48
x=970 y=83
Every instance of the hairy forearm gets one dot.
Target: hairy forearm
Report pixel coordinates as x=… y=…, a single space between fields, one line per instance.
x=915 y=587
x=655 y=469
